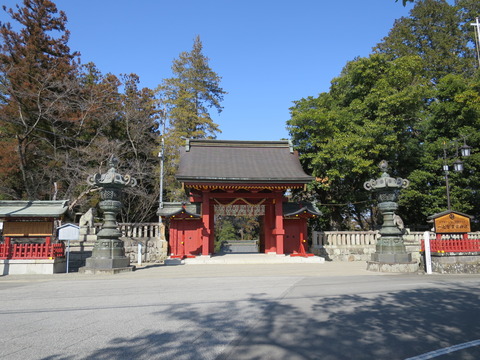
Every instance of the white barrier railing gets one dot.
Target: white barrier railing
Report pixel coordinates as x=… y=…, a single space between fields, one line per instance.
x=344 y=238
x=349 y=238
x=136 y=230
x=319 y=238
x=143 y=230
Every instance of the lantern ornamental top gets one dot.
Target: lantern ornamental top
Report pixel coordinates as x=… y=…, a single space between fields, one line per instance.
x=111 y=177
x=385 y=181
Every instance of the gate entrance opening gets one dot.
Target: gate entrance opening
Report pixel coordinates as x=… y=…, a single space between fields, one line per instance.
x=236 y=231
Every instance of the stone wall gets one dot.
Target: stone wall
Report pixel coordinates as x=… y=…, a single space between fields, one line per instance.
x=358 y=246
x=154 y=250
x=151 y=236
x=344 y=252
x=454 y=263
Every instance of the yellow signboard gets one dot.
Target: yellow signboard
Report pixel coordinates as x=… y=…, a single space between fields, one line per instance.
x=452 y=223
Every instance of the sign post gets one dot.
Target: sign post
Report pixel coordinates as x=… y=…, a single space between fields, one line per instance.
x=428 y=256
x=139 y=254
x=68 y=232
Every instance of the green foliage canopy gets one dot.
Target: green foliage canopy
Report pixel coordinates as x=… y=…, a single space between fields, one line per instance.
x=413 y=99
x=368 y=115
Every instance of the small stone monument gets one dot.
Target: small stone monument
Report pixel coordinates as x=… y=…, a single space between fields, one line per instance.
x=108 y=254
x=86 y=223
x=390 y=253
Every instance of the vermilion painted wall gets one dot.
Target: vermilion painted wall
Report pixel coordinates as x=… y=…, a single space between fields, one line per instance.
x=186 y=236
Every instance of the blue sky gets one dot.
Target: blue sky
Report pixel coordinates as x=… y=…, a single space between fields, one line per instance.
x=268 y=53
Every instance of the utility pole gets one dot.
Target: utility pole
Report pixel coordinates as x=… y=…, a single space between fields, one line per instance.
x=161 y=155
x=477 y=38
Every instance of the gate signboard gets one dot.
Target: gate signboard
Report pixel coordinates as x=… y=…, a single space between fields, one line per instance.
x=451 y=223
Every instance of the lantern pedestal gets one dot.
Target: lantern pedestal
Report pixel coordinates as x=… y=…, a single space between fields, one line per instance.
x=108 y=254
x=390 y=253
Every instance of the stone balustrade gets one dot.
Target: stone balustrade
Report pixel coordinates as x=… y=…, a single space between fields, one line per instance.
x=359 y=245
x=143 y=230
x=344 y=238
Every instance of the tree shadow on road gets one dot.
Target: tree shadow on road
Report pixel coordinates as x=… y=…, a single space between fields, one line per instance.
x=392 y=325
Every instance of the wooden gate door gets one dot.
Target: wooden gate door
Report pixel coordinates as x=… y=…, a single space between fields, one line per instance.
x=190 y=231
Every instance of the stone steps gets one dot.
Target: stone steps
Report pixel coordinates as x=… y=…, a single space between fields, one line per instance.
x=246 y=259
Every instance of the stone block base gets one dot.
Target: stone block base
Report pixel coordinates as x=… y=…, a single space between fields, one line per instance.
x=32 y=266
x=93 y=271
x=392 y=258
x=408 y=267
x=106 y=266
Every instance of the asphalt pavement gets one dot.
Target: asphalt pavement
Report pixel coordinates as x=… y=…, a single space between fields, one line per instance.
x=335 y=310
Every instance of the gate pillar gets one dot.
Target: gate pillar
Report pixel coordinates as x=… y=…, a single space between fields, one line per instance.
x=207 y=219
x=279 y=231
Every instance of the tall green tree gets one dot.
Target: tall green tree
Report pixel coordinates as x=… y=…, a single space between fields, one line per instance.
x=412 y=101
x=437 y=32
x=187 y=97
x=369 y=115
x=452 y=118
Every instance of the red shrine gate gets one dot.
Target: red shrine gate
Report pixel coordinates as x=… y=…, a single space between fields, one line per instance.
x=235 y=178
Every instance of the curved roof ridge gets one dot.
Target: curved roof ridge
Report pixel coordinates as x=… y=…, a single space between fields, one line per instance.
x=246 y=161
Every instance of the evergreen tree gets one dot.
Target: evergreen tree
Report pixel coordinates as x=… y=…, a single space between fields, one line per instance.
x=187 y=98
x=59 y=119
x=38 y=75
x=188 y=95
x=434 y=31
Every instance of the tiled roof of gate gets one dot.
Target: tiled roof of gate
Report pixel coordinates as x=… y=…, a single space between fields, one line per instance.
x=295 y=208
x=174 y=208
x=240 y=161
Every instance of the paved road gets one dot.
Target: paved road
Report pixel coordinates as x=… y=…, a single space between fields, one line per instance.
x=305 y=311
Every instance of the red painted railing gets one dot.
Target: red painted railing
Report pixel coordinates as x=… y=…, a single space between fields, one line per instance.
x=453 y=245
x=5 y=251
x=31 y=251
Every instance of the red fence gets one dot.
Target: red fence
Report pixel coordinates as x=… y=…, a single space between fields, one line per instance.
x=453 y=245
x=5 y=251
x=31 y=251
